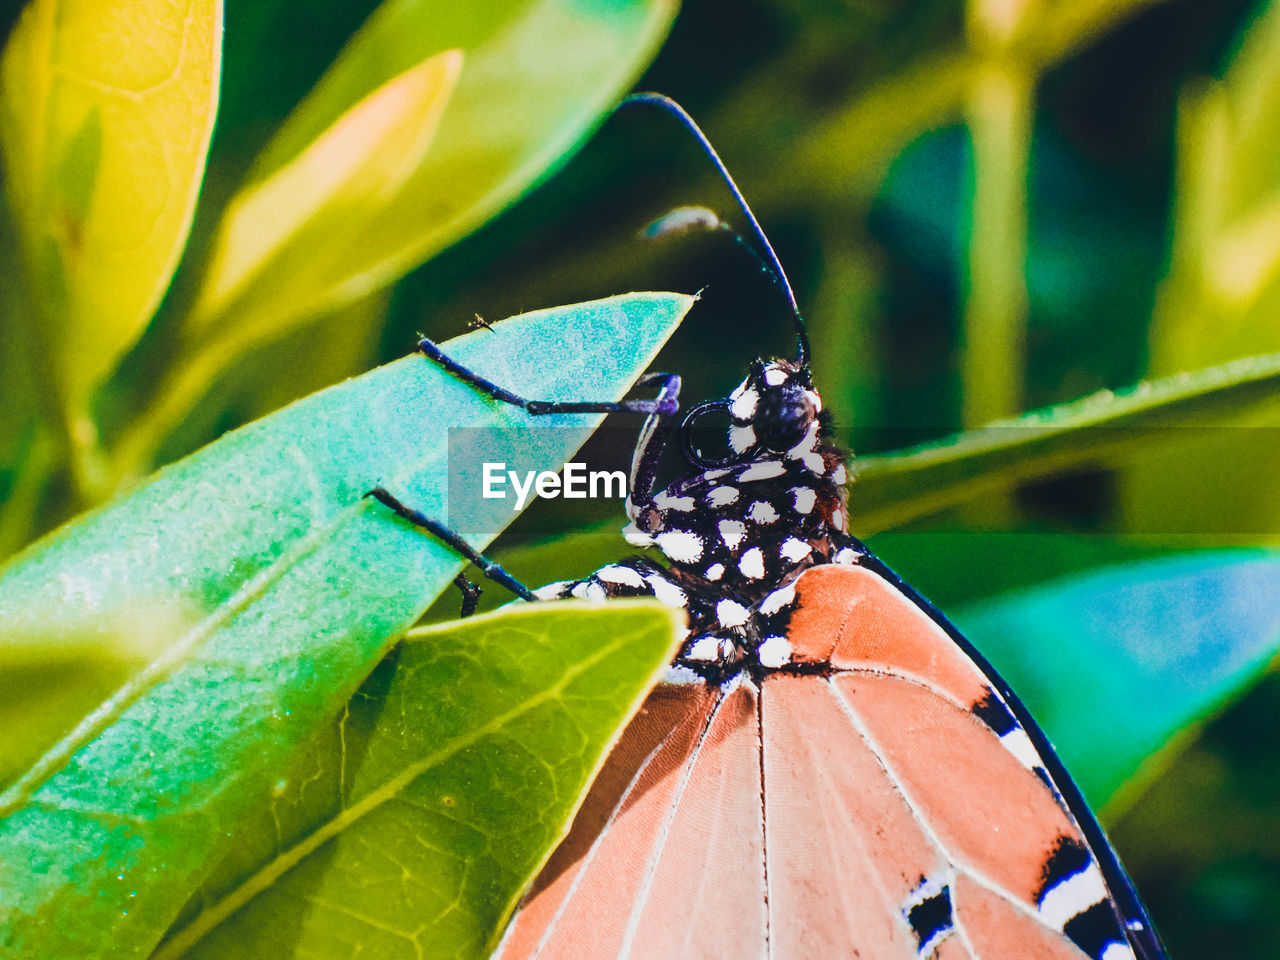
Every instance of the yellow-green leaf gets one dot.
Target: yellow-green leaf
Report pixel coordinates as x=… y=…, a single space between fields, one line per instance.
x=285 y=239
x=538 y=75
x=106 y=110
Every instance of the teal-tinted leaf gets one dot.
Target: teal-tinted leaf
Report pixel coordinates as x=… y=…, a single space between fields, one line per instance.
x=1103 y=428
x=412 y=825
x=1115 y=664
x=260 y=589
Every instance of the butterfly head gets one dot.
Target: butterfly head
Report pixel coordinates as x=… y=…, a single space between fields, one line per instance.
x=774 y=410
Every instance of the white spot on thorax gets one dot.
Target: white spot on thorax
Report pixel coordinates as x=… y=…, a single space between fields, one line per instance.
x=741 y=439
x=774 y=375
x=704 y=648
x=732 y=532
x=553 y=591
x=636 y=537
x=773 y=652
x=667 y=592
x=680 y=545
x=620 y=575
x=838 y=521
x=805 y=498
x=764 y=470
x=795 y=550
x=588 y=590
x=664 y=501
x=722 y=496
x=743 y=406
x=751 y=564
x=778 y=599
x=731 y=613
x=814 y=463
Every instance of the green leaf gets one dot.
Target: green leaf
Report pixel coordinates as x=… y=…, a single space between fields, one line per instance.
x=538 y=76
x=261 y=589
x=412 y=826
x=1221 y=296
x=1102 y=428
x=106 y=111
x=1115 y=665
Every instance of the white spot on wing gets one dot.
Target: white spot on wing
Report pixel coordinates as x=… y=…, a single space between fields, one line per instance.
x=1071 y=895
x=845 y=555
x=839 y=475
x=715 y=571
x=762 y=512
x=1019 y=744
x=680 y=545
x=1118 y=951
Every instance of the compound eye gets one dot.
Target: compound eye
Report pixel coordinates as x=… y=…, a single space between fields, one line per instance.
x=783 y=419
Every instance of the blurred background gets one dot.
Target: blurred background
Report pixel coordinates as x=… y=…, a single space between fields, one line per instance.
x=985 y=208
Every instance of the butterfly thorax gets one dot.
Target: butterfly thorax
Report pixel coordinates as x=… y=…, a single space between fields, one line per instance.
x=735 y=533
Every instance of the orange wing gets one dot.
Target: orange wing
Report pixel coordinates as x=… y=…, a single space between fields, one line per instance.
x=875 y=798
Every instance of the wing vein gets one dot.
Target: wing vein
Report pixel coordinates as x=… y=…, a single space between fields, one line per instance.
x=660 y=840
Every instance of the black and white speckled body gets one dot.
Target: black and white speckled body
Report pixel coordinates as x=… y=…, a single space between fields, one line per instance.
x=736 y=535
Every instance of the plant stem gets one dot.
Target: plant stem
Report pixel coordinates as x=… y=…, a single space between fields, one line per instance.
x=999 y=114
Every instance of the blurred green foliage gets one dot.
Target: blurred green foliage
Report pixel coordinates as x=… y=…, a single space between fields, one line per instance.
x=986 y=207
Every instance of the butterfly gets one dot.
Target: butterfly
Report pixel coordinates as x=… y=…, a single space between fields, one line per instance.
x=829 y=768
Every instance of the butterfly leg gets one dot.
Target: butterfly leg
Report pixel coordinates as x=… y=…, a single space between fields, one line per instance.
x=470 y=594
x=658 y=412
x=664 y=405
x=490 y=568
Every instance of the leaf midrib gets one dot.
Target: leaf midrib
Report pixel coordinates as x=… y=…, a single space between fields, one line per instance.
x=175 y=655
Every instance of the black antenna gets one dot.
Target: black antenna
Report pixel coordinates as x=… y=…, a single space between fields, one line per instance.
x=669 y=106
